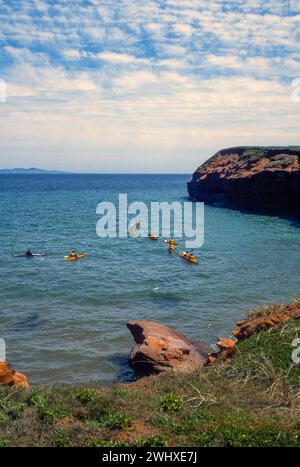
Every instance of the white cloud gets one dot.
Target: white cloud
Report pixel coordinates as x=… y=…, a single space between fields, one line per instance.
x=119 y=58
x=72 y=53
x=183 y=29
x=129 y=79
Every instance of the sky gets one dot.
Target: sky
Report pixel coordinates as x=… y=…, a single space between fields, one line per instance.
x=144 y=85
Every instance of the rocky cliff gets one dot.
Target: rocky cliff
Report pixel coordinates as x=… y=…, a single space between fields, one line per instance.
x=263 y=179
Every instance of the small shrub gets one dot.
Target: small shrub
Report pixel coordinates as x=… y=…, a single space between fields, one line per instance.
x=43 y=405
x=116 y=421
x=86 y=395
x=172 y=403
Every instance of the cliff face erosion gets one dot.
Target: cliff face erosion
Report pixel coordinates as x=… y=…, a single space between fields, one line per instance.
x=261 y=179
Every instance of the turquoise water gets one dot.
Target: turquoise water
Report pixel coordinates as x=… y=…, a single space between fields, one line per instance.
x=66 y=322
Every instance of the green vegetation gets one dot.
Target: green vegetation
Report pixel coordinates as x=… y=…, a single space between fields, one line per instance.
x=252 y=400
x=86 y=395
x=172 y=403
x=116 y=421
x=254 y=154
x=281 y=160
x=277 y=155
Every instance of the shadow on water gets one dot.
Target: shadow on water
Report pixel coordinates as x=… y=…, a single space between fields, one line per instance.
x=31 y=321
x=292 y=218
x=295 y=223
x=124 y=373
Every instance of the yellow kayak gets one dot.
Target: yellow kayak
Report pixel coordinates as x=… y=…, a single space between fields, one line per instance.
x=73 y=258
x=171 y=242
x=189 y=258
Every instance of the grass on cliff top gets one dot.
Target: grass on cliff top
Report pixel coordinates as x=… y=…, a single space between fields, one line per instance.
x=278 y=155
x=253 y=400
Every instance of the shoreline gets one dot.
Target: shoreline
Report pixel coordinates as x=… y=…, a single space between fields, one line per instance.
x=238 y=399
x=256 y=320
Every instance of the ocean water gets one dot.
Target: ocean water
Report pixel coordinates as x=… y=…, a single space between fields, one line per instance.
x=65 y=322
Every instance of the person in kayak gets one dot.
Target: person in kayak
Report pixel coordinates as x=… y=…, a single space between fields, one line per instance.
x=171 y=249
x=73 y=254
x=28 y=252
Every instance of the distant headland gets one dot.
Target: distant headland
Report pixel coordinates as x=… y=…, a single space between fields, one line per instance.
x=29 y=171
x=261 y=179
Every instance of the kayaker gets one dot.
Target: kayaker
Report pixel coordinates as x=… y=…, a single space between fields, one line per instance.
x=28 y=252
x=73 y=254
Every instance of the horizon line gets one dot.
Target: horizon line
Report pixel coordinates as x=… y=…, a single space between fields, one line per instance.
x=61 y=172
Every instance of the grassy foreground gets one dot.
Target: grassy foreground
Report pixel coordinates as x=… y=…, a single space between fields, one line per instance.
x=252 y=400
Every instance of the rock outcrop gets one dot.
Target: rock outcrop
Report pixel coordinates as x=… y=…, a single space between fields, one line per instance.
x=264 y=321
x=10 y=377
x=259 y=179
x=261 y=320
x=160 y=348
x=227 y=349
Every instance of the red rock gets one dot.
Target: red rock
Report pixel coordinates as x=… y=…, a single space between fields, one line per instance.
x=241 y=322
x=227 y=344
x=160 y=348
x=252 y=178
x=9 y=377
x=212 y=359
x=263 y=322
x=21 y=381
x=227 y=348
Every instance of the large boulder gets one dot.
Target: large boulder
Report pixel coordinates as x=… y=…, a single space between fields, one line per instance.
x=10 y=377
x=160 y=348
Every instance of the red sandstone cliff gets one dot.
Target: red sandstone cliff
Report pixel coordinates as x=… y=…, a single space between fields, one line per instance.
x=254 y=178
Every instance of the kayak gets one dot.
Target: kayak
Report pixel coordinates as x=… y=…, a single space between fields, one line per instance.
x=73 y=258
x=33 y=255
x=189 y=258
x=153 y=237
x=171 y=242
x=133 y=232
